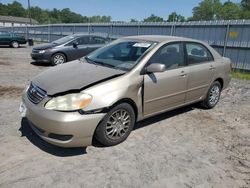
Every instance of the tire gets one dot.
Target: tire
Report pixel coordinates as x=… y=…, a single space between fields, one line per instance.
x=14 y=44
x=58 y=59
x=112 y=131
x=213 y=96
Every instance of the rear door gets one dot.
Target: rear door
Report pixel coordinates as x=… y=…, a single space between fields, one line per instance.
x=201 y=70
x=166 y=90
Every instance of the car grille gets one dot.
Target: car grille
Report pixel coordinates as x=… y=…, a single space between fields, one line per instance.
x=35 y=94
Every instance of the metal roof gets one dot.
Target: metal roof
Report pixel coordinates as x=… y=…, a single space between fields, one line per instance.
x=12 y=19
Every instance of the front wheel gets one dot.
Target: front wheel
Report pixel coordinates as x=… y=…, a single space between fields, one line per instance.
x=14 y=44
x=58 y=59
x=213 y=96
x=116 y=125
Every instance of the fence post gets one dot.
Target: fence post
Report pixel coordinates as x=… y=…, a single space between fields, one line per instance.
x=172 y=29
x=27 y=35
x=48 y=32
x=138 y=29
x=225 y=40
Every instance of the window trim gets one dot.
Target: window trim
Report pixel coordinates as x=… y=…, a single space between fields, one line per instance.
x=186 y=54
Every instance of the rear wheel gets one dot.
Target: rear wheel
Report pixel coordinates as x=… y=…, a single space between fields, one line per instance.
x=14 y=44
x=213 y=96
x=116 y=125
x=58 y=59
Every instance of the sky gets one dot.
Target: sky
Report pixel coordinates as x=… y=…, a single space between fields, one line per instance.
x=119 y=10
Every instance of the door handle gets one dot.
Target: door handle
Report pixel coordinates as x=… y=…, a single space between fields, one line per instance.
x=183 y=74
x=211 y=67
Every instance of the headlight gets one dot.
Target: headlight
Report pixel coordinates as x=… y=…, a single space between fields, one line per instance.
x=70 y=102
x=42 y=51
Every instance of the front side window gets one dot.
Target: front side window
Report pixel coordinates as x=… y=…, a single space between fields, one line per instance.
x=121 y=55
x=197 y=53
x=171 y=55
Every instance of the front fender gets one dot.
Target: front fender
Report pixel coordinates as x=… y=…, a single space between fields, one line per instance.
x=108 y=93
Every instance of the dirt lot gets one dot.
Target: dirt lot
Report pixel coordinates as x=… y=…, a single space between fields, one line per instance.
x=189 y=147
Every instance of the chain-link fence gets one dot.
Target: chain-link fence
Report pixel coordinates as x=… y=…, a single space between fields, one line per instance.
x=229 y=38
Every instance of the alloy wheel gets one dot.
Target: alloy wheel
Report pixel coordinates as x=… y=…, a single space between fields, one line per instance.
x=118 y=124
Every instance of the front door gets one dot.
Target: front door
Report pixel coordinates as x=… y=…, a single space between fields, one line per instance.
x=166 y=90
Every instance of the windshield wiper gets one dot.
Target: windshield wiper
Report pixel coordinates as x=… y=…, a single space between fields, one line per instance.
x=100 y=63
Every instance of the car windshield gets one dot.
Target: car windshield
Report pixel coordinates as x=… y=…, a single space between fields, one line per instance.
x=122 y=55
x=63 y=40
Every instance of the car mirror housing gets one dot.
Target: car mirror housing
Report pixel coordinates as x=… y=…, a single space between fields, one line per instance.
x=155 y=67
x=74 y=45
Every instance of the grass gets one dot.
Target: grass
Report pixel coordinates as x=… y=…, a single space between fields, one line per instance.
x=240 y=75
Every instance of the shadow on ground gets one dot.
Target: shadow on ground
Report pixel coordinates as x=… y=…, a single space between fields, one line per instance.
x=164 y=116
x=40 y=64
x=26 y=131
x=7 y=46
x=155 y=119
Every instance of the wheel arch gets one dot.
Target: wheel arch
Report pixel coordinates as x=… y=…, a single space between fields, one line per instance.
x=221 y=81
x=60 y=52
x=130 y=102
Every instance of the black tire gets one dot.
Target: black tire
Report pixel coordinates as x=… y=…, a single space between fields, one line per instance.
x=104 y=132
x=208 y=103
x=58 y=59
x=14 y=44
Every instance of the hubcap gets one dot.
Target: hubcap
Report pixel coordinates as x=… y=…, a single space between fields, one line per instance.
x=58 y=59
x=214 y=95
x=118 y=124
x=15 y=44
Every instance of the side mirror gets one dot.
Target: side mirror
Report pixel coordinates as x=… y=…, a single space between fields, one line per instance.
x=74 y=45
x=155 y=67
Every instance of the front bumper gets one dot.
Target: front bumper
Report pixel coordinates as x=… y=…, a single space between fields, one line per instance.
x=41 y=57
x=76 y=128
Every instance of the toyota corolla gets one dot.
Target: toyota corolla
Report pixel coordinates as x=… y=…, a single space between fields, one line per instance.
x=104 y=94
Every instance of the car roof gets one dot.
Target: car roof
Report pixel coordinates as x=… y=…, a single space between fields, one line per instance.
x=159 y=38
x=86 y=34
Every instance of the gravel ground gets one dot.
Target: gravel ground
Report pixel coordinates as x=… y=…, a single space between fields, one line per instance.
x=189 y=147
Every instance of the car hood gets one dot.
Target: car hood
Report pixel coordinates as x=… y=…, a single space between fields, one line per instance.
x=72 y=76
x=44 y=46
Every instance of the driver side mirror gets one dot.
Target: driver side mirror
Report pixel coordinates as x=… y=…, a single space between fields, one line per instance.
x=155 y=67
x=74 y=45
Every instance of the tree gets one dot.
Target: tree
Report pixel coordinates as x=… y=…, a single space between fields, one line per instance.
x=3 y=10
x=245 y=4
x=207 y=10
x=174 y=17
x=132 y=20
x=16 y=9
x=153 y=18
x=230 y=11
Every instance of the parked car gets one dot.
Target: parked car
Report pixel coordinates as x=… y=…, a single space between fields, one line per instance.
x=67 y=48
x=105 y=93
x=11 y=39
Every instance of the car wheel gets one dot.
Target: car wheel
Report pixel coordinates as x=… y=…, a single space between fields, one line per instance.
x=14 y=44
x=213 y=96
x=58 y=59
x=116 y=125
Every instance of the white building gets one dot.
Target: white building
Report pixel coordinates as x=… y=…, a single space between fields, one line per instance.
x=8 y=21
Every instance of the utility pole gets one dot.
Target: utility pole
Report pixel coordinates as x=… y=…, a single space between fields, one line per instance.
x=29 y=12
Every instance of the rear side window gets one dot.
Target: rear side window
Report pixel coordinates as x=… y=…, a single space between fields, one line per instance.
x=197 y=53
x=97 y=40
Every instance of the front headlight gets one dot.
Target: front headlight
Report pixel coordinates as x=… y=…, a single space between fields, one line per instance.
x=42 y=51
x=70 y=102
